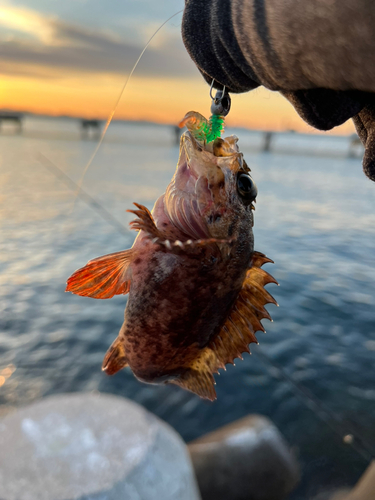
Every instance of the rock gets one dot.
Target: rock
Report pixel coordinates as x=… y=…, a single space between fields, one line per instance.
x=363 y=490
x=332 y=494
x=92 y=447
x=246 y=460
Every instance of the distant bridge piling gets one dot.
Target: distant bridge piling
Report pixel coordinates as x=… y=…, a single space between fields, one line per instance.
x=90 y=128
x=16 y=118
x=267 y=142
x=355 y=146
x=177 y=132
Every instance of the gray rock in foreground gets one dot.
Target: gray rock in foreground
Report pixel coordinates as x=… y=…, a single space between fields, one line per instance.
x=246 y=460
x=92 y=447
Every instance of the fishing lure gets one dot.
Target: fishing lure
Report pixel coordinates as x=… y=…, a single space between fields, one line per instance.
x=204 y=130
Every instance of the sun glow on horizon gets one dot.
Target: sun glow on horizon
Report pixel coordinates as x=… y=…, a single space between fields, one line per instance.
x=65 y=72
x=158 y=99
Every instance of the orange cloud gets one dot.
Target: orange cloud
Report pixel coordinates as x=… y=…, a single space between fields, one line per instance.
x=163 y=100
x=66 y=69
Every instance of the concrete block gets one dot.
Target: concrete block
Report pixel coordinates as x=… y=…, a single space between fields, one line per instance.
x=92 y=447
x=246 y=460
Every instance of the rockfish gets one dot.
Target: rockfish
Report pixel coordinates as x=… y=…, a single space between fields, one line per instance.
x=195 y=283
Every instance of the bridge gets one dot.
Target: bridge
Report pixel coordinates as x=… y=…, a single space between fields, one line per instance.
x=11 y=117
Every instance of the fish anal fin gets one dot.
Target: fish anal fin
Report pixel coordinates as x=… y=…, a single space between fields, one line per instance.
x=144 y=222
x=104 y=277
x=115 y=359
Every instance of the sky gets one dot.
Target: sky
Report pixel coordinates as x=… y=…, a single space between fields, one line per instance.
x=72 y=57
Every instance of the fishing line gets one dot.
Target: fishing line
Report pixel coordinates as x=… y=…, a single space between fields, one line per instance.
x=118 y=101
x=341 y=428
x=55 y=170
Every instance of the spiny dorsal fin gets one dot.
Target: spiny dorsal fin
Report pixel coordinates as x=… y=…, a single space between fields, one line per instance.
x=236 y=334
x=245 y=317
x=115 y=359
x=103 y=277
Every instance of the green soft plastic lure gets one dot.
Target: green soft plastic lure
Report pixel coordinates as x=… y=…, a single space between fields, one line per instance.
x=202 y=129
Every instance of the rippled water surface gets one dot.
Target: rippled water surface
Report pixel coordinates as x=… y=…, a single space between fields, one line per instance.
x=315 y=218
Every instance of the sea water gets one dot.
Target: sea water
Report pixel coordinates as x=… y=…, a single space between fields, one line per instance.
x=313 y=373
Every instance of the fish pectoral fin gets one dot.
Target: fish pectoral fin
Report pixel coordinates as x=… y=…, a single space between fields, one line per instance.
x=144 y=222
x=200 y=382
x=115 y=359
x=103 y=277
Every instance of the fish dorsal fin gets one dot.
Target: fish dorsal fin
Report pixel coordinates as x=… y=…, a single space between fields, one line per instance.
x=103 y=277
x=237 y=333
x=115 y=359
x=246 y=314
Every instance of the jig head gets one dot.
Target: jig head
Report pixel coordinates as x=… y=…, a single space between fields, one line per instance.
x=208 y=130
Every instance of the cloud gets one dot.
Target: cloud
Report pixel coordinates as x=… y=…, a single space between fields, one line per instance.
x=58 y=46
x=24 y=20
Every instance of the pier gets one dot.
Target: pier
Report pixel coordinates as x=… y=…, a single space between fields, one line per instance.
x=10 y=117
x=90 y=128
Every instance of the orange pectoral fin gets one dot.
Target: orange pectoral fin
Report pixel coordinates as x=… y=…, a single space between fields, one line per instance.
x=104 y=277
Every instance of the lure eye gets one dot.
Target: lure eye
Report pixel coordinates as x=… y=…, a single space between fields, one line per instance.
x=246 y=188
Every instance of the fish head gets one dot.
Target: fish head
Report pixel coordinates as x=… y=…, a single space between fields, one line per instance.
x=212 y=192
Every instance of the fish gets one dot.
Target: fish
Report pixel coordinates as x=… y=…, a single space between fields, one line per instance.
x=196 y=286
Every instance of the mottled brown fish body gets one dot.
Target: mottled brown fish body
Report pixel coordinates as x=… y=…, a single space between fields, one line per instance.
x=170 y=318
x=196 y=290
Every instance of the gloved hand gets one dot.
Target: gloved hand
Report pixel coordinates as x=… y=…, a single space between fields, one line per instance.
x=317 y=53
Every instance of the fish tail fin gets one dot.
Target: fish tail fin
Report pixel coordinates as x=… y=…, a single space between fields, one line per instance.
x=115 y=359
x=199 y=382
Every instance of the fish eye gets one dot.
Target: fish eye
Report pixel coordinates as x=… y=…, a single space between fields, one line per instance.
x=246 y=188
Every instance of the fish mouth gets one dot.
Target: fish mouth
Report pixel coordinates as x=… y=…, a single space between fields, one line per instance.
x=194 y=156
x=203 y=159
x=203 y=168
x=203 y=184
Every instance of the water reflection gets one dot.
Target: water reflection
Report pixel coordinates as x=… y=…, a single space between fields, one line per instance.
x=315 y=217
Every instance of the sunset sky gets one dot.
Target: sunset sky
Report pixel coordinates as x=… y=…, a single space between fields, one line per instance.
x=72 y=57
